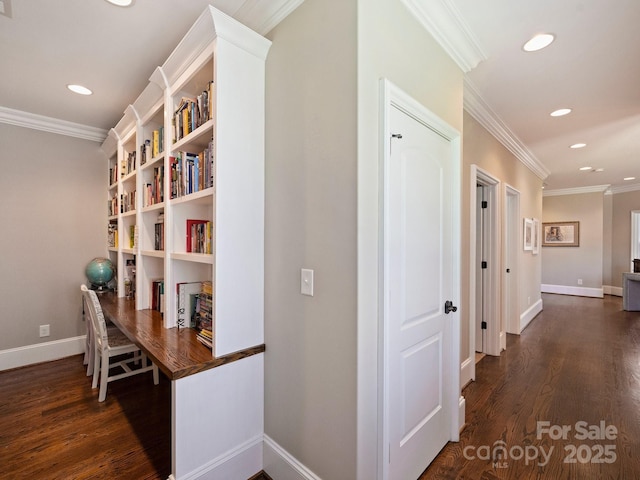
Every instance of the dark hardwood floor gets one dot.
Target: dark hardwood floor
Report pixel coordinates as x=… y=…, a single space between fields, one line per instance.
x=578 y=361
x=53 y=427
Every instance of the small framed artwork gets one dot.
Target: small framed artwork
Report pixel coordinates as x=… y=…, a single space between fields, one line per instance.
x=528 y=234
x=561 y=234
x=535 y=230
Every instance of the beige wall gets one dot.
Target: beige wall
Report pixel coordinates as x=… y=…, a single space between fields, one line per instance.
x=622 y=206
x=52 y=226
x=310 y=222
x=482 y=149
x=565 y=265
x=322 y=164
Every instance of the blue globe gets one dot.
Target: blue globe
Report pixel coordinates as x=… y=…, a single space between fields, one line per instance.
x=99 y=272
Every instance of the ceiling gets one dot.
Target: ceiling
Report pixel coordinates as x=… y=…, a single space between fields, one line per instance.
x=592 y=67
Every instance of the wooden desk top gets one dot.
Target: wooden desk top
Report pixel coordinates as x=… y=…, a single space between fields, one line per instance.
x=176 y=352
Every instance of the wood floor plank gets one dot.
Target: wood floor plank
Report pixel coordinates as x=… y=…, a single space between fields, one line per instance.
x=578 y=361
x=53 y=427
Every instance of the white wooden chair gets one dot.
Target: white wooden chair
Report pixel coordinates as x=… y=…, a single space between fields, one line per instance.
x=108 y=343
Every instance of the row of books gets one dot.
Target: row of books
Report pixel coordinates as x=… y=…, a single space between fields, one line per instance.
x=128 y=202
x=112 y=235
x=129 y=164
x=199 y=236
x=153 y=192
x=157 y=295
x=193 y=112
x=153 y=147
x=191 y=172
x=158 y=233
x=112 y=205
x=133 y=236
x=113 y=174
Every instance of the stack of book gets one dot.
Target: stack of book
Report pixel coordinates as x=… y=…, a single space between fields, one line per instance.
x=204 y=314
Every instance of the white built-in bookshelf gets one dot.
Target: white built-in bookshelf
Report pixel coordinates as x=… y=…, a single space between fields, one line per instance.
x=164 y=175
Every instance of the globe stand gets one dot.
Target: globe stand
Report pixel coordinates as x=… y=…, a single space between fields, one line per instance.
x=100 y=289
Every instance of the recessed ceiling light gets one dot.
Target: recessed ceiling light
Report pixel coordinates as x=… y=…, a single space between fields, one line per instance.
x=121 y=3
x=538 y=42
x=599 y=170
x=584 y=169
x=79 y=89
x=560 y=112
x=578 y=145
x=629 y=178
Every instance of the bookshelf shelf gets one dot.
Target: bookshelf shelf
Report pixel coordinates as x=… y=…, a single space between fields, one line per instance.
x=153 y=253
x=193 y=257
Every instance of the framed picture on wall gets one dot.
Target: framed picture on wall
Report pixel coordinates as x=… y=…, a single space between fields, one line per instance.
x=528 y=234
x=561 y=234
x=535 y=230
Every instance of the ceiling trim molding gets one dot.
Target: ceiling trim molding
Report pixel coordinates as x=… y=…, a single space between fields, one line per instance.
x=276 y=17
x=51 y=125
x=444 y=22
x=576 y=190
x=623 y=189
x=480 y=110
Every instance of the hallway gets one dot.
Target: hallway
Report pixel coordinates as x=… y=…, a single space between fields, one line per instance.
x=560 y=403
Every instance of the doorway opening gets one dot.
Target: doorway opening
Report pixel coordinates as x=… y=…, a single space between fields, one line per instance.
x=485 y=311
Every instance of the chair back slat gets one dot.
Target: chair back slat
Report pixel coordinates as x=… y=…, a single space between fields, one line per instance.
x=96 y=315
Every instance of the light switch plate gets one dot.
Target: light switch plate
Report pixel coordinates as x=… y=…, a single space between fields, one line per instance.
x=306 y=282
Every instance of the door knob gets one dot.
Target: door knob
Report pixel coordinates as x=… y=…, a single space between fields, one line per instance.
x=449 y=307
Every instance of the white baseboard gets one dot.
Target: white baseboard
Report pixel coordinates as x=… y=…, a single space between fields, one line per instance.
x=280 y=464
x=244 y=461
x=41 y=352
x=529 y=314
x=567 y=290
x=610 y=290
x=466 y=372
x=462 y=404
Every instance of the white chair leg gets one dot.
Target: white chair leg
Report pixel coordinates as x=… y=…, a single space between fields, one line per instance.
x=90 y=355
x=156 y=377
x=96 y=367
x=104 y=376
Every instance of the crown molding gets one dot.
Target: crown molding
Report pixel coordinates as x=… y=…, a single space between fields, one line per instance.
x=480 y=110
x=267 y=22
x=622 y=189
x=576 y=190
x=444 y=22
x=51 y=125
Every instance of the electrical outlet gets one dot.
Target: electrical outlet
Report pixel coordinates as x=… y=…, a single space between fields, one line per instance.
x=44 y=331
x=579 y=281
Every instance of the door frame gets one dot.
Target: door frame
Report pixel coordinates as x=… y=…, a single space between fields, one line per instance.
x=392 y=96
x=511 y=281
x=480 y=176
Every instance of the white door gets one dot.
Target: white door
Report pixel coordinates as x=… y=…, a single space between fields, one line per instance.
x=419 y=259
